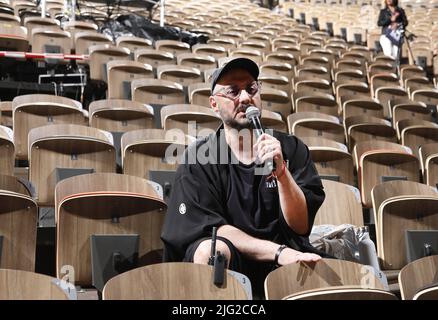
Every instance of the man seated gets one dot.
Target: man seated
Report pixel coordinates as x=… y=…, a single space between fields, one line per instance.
x=263 y=218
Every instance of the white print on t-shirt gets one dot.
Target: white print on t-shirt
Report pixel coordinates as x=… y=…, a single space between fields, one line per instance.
x=182 y=208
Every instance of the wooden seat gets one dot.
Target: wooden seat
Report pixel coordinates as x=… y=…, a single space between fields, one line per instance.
x=87 y=205
x=363 y=128
x=144 y=150
x=199 y=94
x=116 y=115
x=313 y=86
x=66 y=146
x=275 y=82
x=84 y=40
x=418 y=277
x=156 y=91
x=191 y=119
x=172 y=46
x=380 y=67
x=386 y=94
x=133 y=43
x=100 y=55
x=298 y=277
x=183 y=75
x=408 y=109
x=344 y=76
x=314 y=124
x=411 y=71
x=429 y=163
x=337 y=210
x=417 y=83
x=281 y=57
x=272 y=120
x=37 y=22
x=6 y=114
x=363 y=106
x=380 y=161
x=7 y=151
x=255 y=44
x=309 y=102
x=380 y=80
x=35 y=110
x=392 y=189
x=332 y=159
x=198 y=61
x=277 y=68
x=228 y=43
x=74 y=27
x=18 y=217
x=211 y=49
x=24 y=285
x=352 y=90
x=343 y=293
x=121 y=73
x=13 y=38
x=50 y=41
x=9 y=19
x=415 y=132
x=252 y=54
x=154 y=57
x=276 y=101
x=312 y=72
x=428 y=97
x=173 y=281
x=398 y=214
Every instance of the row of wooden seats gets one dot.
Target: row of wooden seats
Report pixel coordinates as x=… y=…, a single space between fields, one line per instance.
x=326 y=280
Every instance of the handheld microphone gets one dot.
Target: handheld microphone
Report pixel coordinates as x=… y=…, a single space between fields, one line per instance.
x=253 y=116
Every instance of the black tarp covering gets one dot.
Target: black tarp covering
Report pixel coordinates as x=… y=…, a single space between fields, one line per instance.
x=140 y=26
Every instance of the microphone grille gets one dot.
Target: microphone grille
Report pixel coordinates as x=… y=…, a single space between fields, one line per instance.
x=252 y=112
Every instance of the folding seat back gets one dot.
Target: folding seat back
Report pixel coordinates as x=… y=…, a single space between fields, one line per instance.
x=35 y=110
x=37 y=22
x=183 y=75
x=18 y=217
x=298 y=277
x=417 y=280
x=417 y=83
x=408 y=109
x=120 y=74
x=7 y=151
x=337 y=210
x=276 y=101
x=227 y=43
x=104 y=204
x=314 y=86
x=198 y=61
x=154 y=57
x=191 y=119
x=272 y=120
x=157 y=282
x=332 y=159
x=151 y=149
x=215 y=50
x=133 y=43
x=13 y=38
x=313 y=72
x=275 y=82
x=24 y=285
x=314 y=124
x=50 y=41
x=380 y=80
x=74 y=27
x=199 y=94
x=84 y=40
x=172 y=46
x=429 y=163
x=100 y=55
x=364 y=128
x=356 y=107
x=428 y=97
x=387 y=94
x=6 y=114
x=381 y=161
x=57 y=151
x=309 y=102
x=253 y=54
x=415 y=133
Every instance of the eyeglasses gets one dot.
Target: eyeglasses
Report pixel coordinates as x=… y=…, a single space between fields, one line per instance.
x=233 y=92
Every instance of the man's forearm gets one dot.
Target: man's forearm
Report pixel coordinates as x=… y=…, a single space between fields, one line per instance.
x=252 y=248
x=293 y=203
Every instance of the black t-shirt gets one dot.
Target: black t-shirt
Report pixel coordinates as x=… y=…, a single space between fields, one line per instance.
x=252 y=201
x=213 y=193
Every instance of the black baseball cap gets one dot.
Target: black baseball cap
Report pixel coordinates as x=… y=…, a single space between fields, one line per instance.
x=237 y=63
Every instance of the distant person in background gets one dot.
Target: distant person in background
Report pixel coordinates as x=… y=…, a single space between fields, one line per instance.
x=393 y=20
